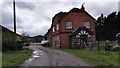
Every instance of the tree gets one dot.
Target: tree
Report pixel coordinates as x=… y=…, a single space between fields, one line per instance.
x=108 y=27
x=25 y=37
x=98 y=26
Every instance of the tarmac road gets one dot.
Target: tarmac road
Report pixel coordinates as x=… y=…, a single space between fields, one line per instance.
x=49 y=57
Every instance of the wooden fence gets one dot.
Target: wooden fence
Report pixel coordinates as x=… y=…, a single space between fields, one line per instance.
x=104 y=45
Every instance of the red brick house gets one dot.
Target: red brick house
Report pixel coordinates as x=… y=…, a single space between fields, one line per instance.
x=72 y=29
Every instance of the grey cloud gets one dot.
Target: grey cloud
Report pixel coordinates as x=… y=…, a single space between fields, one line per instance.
x=72 y=3
x=25 y=5
x=6 y=17
x=39 y=19
x=43 y=30
x=46 y=17
x=96 y=9
x=7 y=4
x=38 y=31
x=7 y=20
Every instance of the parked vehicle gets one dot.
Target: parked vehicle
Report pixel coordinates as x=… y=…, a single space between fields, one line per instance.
x=45 y=43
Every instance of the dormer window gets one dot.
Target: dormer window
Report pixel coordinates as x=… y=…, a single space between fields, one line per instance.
x=69 y=25
x=87 y=24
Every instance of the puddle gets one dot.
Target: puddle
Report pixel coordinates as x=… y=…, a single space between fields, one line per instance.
x=41 y=54
x=35 y=52
x=29 y=60
x=35 y=56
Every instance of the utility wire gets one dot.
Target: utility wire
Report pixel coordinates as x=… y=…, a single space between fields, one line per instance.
x=35 y=10
x=31 y=8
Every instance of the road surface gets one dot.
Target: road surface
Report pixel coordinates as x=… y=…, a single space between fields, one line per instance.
x=49 y=57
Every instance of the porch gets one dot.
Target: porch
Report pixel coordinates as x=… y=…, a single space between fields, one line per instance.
x=81 y=38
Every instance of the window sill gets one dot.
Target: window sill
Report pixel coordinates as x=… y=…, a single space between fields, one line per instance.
x=69 y=28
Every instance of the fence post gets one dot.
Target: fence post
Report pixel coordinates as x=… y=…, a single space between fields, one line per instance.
x=98 y=46
x=118 y=40
x=92 y=46
x=107 y=45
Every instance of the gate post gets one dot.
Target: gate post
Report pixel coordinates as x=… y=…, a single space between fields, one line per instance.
x=118 y=41
x=98 y=46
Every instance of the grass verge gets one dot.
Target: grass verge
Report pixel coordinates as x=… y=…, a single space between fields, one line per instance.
x=0 y=59
x=15 y=58
x=98 y=58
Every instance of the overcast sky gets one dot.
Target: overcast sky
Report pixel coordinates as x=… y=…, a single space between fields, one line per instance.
x=35 y=16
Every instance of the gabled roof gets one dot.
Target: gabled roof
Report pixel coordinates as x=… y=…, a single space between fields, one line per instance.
x=78 y=30
x=81 y=10
x=49 y=31
x=61 y=15
x=76 y=10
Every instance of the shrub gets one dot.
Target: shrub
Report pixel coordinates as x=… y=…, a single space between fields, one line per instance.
x=19 y=45
x=6 y=46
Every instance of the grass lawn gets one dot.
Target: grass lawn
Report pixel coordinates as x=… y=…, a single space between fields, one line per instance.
x=99 y=58
x=0 y=59
x=14 y=58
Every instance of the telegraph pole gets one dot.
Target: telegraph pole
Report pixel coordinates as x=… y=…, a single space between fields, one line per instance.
x=14 y=23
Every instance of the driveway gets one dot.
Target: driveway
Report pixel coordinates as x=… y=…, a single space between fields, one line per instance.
x=49 y=57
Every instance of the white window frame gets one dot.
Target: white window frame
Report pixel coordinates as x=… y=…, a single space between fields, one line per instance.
x=57 y=26
x=53 y=29
x=87 y=24
x=69 y=25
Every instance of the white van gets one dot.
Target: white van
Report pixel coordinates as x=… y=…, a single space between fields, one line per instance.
x=44 y=42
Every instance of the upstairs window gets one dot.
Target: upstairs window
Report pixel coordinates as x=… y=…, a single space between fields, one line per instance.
x=87 y=24
x=57 y=26
x=53 y=29
x=69 y=25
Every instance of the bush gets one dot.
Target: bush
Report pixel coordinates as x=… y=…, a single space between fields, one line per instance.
x=19 y=45
x=7 y=46
x=11 y=46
